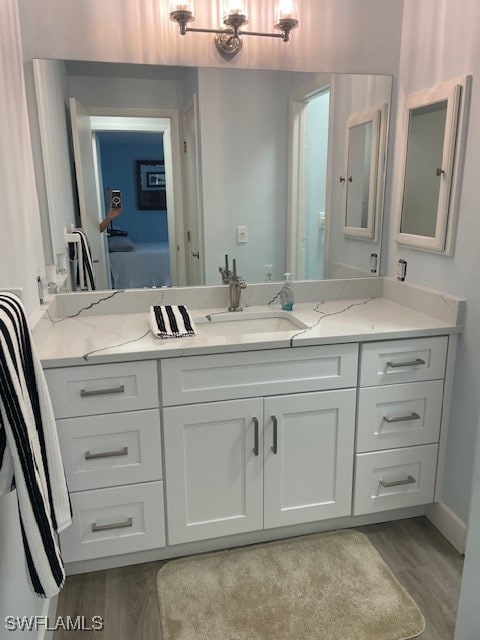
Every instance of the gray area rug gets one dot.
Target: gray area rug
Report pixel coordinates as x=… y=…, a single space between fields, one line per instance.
x=327 y=586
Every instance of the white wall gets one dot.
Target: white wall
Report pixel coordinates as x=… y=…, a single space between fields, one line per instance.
x=244 y=114
x=334 y=35
x=441 y=41
x=317 y=157
x=125 y=92
x=21 y=259
x=21 y=253
x=50 y=119
x=468 y=625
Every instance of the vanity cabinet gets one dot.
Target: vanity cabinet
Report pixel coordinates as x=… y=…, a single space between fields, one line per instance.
x=245 y=465
x=108 y=423
x=400 y=403
x=252 y=441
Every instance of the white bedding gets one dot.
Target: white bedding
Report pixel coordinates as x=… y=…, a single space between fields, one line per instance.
x=147 y=266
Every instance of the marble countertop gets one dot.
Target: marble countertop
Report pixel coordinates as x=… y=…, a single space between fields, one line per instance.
x=97 y=338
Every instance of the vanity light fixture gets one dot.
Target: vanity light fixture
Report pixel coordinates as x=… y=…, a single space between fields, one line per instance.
x=228 y=41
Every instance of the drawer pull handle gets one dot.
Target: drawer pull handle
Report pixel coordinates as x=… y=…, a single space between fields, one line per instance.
x=106 y=454
x=84 y=393
x=275 y=434
x=398 y=483
x=412 y=416
x=255 y=447
x=411 y=363
x=114 y=525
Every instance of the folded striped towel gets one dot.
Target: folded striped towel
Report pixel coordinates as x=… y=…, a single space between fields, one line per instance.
x=171 y=321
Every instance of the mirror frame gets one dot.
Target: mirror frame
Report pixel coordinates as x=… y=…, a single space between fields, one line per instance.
x=376 y=116
x=456 y=93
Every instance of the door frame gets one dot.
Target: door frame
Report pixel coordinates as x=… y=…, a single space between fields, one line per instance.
x=192 y=106
x=173 y=178
x=86 y=172
x=296 y=168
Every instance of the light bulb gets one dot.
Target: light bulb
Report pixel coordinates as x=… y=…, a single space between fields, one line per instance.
x=233 y=7
x=182 y=6
x=285 y=10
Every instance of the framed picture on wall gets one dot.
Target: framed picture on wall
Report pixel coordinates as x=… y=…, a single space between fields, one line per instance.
x=151 y=191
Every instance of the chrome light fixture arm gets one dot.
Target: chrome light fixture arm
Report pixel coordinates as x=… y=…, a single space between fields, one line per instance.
x=228 y=41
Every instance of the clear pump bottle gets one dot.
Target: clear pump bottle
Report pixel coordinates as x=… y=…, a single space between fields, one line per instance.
x=286 y=293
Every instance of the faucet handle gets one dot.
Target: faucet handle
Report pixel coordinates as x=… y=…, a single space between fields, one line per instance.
x=225 y=274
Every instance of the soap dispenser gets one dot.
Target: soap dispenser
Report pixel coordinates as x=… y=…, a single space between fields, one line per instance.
x=286 y=293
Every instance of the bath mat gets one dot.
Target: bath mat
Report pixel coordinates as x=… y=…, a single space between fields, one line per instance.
x=327 y=586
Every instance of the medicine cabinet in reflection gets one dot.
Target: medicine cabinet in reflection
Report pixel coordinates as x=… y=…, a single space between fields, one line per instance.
x=364 y=172
x=434 y=125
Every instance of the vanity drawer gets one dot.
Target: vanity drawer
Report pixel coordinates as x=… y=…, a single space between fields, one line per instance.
x=111 y=450
x=103 y=388
x=394 y=479
x=394 y=361
x=400 y=415
x=228 y=376
x=109 y=522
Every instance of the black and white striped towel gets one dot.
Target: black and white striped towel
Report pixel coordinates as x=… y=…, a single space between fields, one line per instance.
x=171 y=321
x=84 y=276
x=30 y=459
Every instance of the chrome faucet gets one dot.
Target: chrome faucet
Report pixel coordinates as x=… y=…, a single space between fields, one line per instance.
x=225 y=272
x=236 y=285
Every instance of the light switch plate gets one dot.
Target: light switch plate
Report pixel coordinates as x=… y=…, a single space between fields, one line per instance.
x=242 y=235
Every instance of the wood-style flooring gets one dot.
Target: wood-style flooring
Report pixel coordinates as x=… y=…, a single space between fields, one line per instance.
x=422 y=560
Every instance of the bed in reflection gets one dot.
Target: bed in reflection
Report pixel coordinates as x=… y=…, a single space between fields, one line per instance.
x=147 y=264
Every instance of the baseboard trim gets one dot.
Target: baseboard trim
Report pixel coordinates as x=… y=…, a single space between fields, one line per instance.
x=453 y=528
x=49 y=612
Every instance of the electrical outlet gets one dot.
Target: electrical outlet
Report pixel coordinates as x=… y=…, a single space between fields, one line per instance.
x=321 y=219
x=401 y=269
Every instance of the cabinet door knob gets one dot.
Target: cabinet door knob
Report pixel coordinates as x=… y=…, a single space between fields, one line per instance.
x=275 y=434
x=255 y=446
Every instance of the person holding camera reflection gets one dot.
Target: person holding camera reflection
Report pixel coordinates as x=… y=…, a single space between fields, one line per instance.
x=113 y=212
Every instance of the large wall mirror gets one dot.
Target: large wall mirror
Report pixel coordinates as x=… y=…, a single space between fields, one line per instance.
x=250 y=163
x=434 y=127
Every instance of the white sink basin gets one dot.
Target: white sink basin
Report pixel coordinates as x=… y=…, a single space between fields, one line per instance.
x=247 y=322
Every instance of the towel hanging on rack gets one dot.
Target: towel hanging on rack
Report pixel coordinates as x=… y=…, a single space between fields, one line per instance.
x=82 y=253
x=30 y=459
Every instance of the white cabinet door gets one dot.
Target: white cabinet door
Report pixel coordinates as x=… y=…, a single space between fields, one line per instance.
x=309 y=461
x=214 y=469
